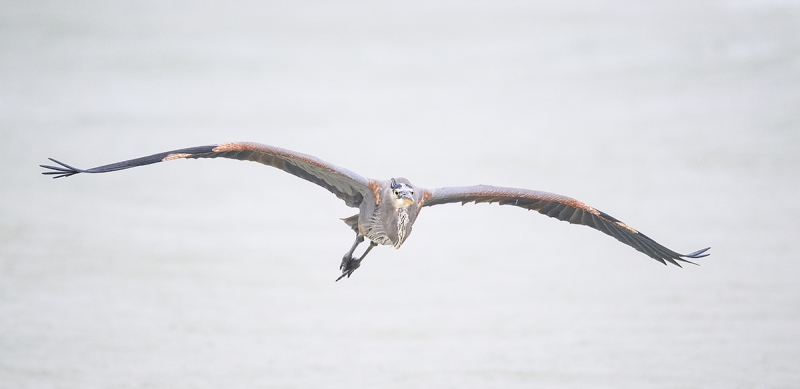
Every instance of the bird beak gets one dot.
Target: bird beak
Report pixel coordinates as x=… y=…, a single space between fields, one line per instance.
x=407 y=198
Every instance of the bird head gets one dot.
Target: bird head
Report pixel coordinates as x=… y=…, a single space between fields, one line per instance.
x=403 y=194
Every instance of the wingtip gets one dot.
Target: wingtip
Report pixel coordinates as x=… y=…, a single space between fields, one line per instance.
x=60 y=171
x=698 y=253
x=682 y=258
x=65 y=165
x=687 y=261
x=695 y=255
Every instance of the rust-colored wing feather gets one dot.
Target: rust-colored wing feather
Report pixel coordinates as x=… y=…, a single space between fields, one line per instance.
x=345 y=184
x=562 y=208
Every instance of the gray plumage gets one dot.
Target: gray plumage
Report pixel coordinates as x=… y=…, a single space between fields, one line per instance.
x=389 y=208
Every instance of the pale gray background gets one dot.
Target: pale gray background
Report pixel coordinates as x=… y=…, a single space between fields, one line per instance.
x=680 y=118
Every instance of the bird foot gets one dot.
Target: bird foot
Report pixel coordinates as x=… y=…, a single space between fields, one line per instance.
x=348 y=266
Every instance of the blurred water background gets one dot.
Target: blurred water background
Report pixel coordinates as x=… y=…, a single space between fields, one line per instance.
x=680 y=118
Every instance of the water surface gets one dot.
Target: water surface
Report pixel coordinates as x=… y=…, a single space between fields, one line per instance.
x=680 y=119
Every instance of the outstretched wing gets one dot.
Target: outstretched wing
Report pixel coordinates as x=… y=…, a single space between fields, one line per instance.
x=345 y=184
x=562 y=208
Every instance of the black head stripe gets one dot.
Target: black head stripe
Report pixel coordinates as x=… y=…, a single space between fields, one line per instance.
x=394 y=184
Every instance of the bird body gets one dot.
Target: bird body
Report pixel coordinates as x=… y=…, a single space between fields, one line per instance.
x=388 y=209
x=391 y=223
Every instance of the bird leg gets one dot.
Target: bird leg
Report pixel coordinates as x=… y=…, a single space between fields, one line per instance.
x=350 y=264
x=349 y=256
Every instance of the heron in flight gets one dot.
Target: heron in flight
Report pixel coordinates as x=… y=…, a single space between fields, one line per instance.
x=389 y=208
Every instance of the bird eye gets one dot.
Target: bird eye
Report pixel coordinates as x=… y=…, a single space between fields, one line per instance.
x=396 y=192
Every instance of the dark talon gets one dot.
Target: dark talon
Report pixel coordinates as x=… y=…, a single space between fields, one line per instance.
x=349 y=268
x=350 y=264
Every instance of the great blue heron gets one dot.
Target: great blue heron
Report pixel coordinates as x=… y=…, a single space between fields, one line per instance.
x=389 y=208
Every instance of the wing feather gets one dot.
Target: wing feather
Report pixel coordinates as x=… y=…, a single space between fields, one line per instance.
x=343 y=183
x=561 y=208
